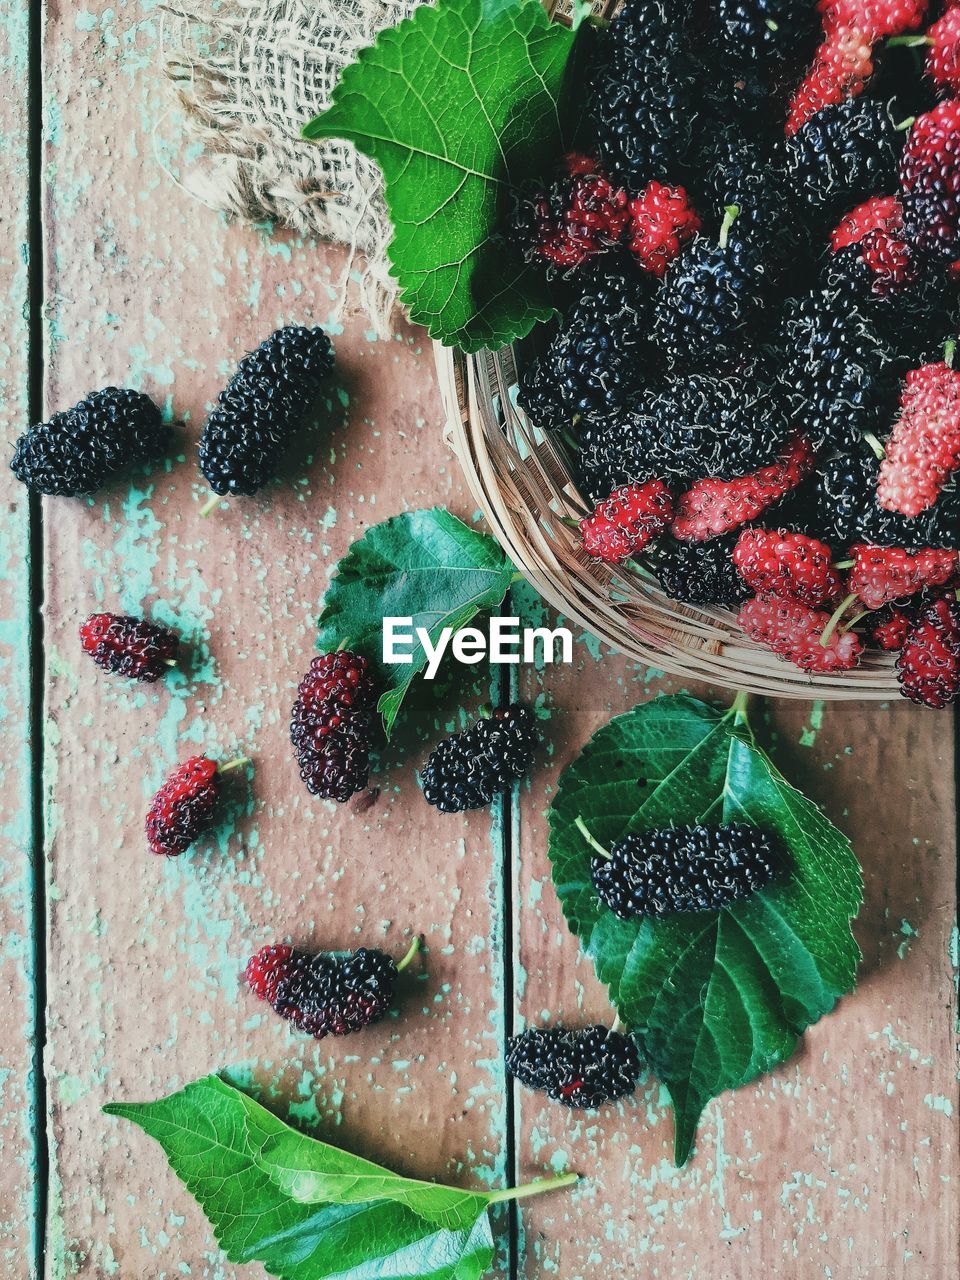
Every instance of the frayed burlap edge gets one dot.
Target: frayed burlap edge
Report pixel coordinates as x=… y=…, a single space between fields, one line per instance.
x=248 y=75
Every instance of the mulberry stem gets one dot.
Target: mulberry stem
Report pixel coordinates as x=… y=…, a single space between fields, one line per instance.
x=949 y=351
x=533 y=1188
x=414 y=948
x=875 y=445
x=838 y=613
x=211 y=504
x=730 y=214
x=738 y=708
x=238 y=763
x=594 y=844
x=169 y=662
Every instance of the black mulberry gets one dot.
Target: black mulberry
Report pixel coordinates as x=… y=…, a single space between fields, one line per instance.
x=467 y=770
x=331 y=725
x=655 y=873
x=701 y=573
x=260 y=409
x=577 y=1068
x=80 y=449
x=844 y=154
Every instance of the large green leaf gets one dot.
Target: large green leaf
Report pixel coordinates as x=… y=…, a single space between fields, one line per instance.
x=424 y=565
x=715 y=998
x=307 y=1210
x=457 y=105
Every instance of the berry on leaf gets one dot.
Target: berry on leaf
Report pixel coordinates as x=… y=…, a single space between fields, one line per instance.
x=579 y=216
x=694 y=868
x=127 y=646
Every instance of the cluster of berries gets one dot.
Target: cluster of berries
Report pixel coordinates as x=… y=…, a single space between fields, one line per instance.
x=256 y=416
x=758 y=271
x=331 y=729
x=647 y=873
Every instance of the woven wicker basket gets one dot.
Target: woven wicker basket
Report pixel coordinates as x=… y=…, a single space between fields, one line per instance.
x=522 y=481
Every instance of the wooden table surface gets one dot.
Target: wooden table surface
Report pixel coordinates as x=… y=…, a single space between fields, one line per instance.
x=122 y=972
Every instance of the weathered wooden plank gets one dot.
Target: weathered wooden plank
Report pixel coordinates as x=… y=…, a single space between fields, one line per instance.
x=147 y=287
x=17 y=1076
x=843 y=1163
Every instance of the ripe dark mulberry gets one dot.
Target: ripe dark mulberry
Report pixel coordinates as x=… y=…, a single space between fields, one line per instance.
x=701 y=573
x=642 y=87
x=79 y=450
x=127 y=646
x=598 y=357
x=261 y=408
x=576 y=1068
x=698 y=868
x=324 y=994
x=844 y=154
x=331 y=725
x=468 y=769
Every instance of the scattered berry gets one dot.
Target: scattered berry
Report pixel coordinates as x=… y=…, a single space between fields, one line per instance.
x=627 y=521
x=924 y=450
x=577 y=1068
x=580 y=216
x=930 y=182
x=466 y=770
x=883 y=574
x=184 y=806
x=793 y=631
x=127 y=646
x=843 y=154
x=787 y=564
x=701 y=573
x=929 y=664
x=661 y=223
x=79 y=450
x=943 y=55
x=698 y=868
x=714 y=506
x=263 y=405
x=331 y=725
x=324 y=994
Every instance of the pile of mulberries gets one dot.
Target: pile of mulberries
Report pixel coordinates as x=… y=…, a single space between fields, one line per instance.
x=756 y=258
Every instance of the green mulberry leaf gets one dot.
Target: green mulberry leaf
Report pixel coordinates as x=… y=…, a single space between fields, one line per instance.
x=307 y=1210
x=458 y=104
x=715 y=998
x=424 y=565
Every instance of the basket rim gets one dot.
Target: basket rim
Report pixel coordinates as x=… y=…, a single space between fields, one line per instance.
x=518 y=478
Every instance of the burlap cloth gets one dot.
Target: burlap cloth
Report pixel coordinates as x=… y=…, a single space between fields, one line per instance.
x=249 y=74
